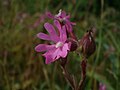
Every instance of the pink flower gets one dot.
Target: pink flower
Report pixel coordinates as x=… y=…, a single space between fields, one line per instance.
x=59 y=47
x=63 y=18
x=102 y=86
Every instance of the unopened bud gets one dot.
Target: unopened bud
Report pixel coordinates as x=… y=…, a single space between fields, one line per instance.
x=87 y=44
x=74 y=44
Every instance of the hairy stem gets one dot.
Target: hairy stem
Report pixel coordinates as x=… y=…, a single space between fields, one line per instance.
x=69 y=78
x=83 y=74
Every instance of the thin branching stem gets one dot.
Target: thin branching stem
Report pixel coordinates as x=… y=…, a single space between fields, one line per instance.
x=69 y=78
x=83 y=74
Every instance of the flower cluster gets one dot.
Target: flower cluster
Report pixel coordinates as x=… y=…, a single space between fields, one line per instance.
x=62 y=40
x=58 y=37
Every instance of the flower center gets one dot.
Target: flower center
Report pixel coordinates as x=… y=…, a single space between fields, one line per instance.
x=59 y=44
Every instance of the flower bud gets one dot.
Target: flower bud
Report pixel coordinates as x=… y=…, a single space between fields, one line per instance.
x=74 y=44
x=87 y=44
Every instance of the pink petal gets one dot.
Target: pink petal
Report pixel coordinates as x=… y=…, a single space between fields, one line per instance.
x=63 y=35
x=61 y=52
x=68 y=27
x=63 y=14
x=57 y=24
x=65 y=49
x=67 y=17
x=56 y=54
x=66 y=46
x=49 y=56
x=49 y=27
x=44 y=47
x=62 y=31
x=49 y=59
x=51 y=31
x=43 y=36
x=64 y=54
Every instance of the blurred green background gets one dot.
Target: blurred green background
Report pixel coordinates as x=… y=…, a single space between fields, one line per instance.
x=21 y=68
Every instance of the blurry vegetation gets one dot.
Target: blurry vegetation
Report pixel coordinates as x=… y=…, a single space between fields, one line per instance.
x=21 y=68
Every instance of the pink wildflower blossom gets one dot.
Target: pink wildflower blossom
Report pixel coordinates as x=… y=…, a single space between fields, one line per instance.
x=63 y=18
x=102 y=86
x=59 y=47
